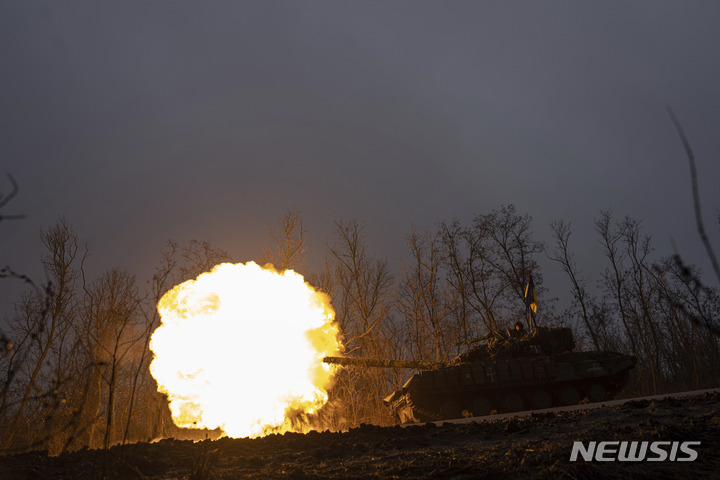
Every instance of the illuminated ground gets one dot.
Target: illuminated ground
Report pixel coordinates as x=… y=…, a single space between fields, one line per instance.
x=536 y=446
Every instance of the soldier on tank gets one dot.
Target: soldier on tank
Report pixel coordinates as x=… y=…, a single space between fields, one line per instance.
x=518 y=330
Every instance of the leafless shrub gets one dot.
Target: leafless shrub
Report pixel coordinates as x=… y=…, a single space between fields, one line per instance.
x=288 y=237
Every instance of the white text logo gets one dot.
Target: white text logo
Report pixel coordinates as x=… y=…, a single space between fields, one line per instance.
x=625 y=451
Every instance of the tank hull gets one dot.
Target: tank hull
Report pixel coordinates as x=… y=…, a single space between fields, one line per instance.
x=508 y=385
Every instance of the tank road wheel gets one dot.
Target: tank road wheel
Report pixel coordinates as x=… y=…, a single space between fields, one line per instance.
x=597 y=393
x=451 y=409
x=541 y=399
x=481 y=406
x=512 y=402
x=569 y=395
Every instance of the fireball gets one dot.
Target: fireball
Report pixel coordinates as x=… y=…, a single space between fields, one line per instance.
x=241 y=348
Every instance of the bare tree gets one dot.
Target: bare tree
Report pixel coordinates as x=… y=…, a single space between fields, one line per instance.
x=651 y=302
x=614 y=276
x=197 y=257
x=561 y=254
x=690 y=356
x=149 y=320
x=489 y=265
x=109 y=313
x=455 y=263
x=514 y=249
x=425 y=301
x=640 y=294
x=361 y=297
x=289 y=239
x=362 y=287
x=60 y=242
x=8 y=347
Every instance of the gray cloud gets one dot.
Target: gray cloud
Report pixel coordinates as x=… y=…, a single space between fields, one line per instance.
x=142 y=121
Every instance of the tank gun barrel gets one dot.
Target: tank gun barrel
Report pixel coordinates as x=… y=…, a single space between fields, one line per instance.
x=383 y=363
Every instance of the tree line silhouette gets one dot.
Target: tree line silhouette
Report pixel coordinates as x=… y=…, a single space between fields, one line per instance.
x=74 y=362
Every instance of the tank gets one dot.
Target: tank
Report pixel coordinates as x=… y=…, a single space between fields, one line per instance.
x=509 y=374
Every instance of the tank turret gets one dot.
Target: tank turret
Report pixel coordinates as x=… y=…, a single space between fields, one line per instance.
x=510 y=373
x=542 y=341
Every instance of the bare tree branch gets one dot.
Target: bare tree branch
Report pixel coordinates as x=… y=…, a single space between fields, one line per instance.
x=696 y=192
x=4 y=201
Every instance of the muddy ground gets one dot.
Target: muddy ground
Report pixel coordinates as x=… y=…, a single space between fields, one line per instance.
x=537 y=446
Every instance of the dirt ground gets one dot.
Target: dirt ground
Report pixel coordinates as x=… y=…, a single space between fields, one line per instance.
x=536 y=446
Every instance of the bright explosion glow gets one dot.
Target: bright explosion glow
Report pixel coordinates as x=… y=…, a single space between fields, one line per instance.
x=242 y=346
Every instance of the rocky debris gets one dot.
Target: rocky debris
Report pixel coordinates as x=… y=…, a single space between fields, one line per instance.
x=537 y=446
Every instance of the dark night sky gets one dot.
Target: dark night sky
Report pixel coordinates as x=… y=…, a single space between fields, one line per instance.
x=147 y=121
